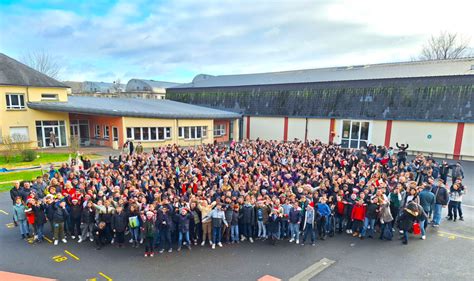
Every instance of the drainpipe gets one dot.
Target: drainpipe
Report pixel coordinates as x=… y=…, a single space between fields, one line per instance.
x=306 y=130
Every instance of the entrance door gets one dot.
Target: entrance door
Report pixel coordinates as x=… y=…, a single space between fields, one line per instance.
x=75 y=132
x=46 y=131
x=231 y=130
x=355 y=134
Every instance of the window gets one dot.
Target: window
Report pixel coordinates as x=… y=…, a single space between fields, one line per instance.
x=15 y=101
x=219 y=130
x=97 y=131
x=115 y=134
x=49 y=97
x=149 y=133
x=192 y=133
x=355 y=134
x=19 y=134
x=106 y=132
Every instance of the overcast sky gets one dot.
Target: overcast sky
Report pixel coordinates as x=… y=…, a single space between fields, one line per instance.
x=175 y=40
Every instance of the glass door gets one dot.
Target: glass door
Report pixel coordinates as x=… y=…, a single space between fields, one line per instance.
x=46 y=135
x=355 y=134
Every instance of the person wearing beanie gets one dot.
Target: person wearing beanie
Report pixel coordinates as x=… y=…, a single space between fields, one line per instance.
x=148 y=229
x=308 y=225
x=183 y=219
x=218 y=219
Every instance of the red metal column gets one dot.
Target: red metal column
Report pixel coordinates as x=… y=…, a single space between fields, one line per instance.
x=248 y=127
x=458 y=141
x=285 y=129
x=388 y=133
x=332 y=126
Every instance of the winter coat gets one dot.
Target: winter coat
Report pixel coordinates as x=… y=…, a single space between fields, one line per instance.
x=14 y=193
x=309 y=217
x=385 y=214
x=75 y=211
x=358 y=212
x=427 y=200
x=248 y=214
x=441 y=195
x=372 y=211
x=60 y=214
x=323 y=209
x=295 y=215
x=88 y=215
x=19 y=212
x=235 y=218
x=183 y=222
x=165 y=221
x=406 y=219
x=265 y=213
x=119 y=222
x=40 y=216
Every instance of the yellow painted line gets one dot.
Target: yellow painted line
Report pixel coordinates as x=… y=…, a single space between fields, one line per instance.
x=105 y=276
x=3 y=212
x=454 y=235
x=47 y=239
x=73 y=256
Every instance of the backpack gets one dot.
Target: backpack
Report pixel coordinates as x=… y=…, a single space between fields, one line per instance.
x=387 y=232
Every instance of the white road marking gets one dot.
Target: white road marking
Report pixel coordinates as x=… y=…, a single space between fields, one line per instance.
x=313 y=270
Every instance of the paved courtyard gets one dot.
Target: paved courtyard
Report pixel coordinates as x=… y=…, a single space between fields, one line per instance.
x=447 y=254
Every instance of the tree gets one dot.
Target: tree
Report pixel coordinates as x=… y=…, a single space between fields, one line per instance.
x=117 y=86
x=445 y=46
x=43 y=62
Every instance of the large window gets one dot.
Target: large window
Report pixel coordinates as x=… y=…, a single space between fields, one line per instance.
x=192 y=132
x=19 y=134
x=97 y=131
x=15 y=101
x=219 y=130
x=149 y=133
x=48 y=128
x=355 y=134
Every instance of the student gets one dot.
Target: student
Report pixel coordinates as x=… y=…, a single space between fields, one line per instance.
x=87 y=222
x=59 y=217
x=100 y=235
x=358 y=217
x=455 y=198
x=294 y=219
x=165 y=224
x=75 y=213
x=234 y=228
x=183 y=218
x=386 y=220
x=262 y=220
x=218 y=220
x=134 y=223
x=323 y=213
x=19 y=216
x=248 y=220
x=40 y=219
x=205 y=209
x=119 y=225
x=406 y=220
x=149 y=232
x=309 y=221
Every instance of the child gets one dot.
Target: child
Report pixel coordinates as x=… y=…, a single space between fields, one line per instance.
x=357 y=217
x=183 y=220
x=76 y=212
x=262 y=218
x=88 y=222
x=19 y=217
x=59 y=217
x=100 y=234
x=119 y=225
x=308 y=226
x=165 y=223
x=134 y=223
x=295 y=221
x=149 y=232
x=324 y=211
x=217 y=218
x=40 y=219
x=234 y=228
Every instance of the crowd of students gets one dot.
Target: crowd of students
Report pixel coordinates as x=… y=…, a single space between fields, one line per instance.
x=301 y=192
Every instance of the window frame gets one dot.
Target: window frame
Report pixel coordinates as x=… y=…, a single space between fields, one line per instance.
x=106 y=131
x=97 y=131
x=21 y=101
x=349 y=139
x=220 y=130
x=55 y=98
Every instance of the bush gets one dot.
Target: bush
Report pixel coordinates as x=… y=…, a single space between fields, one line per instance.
x=28 y=155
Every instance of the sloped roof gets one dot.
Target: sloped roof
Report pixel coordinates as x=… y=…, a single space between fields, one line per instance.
x=151 y=83
x=13 y=72
x=133 y=108
x=411 y=69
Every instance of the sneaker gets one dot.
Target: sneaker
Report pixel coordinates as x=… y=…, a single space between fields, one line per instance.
x=130 y=241
x=64 y=241
x=112 y=242
x=210 y=243
x=185 y=243
x=354 y=234
x=297 y=242
x=213 y=246
x=435 y=225
x=189 y=247
x=141 y=241
x=146 y=254
x=219 y=244
x=56 y=242
x=162 y=251
x=405 y=242
x=35 y=237
x=91 y=239
x=170 y=250
x=251 y=240
x=80 y=240
x=203 y=243
x=461 y=219
x=152 y=254
x=347 y=231
x=291 y=240
x=350 y=231
x=302 y=244
x=423 y=237
x=73 y=237
x=243 y=238
x=179 y=249
x=313 y=244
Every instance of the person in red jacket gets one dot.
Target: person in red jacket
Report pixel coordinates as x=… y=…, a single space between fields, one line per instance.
x=358 y=216
x=340 y=208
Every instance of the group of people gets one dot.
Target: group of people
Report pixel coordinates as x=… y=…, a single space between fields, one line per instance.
x=301 y=192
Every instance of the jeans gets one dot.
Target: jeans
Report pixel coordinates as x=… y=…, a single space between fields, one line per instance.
x=24 y=230
x=39 y=231
x=262 y=230
x=453 y=208
x=217 y=234
x=422 y=224
x=75 y=226
x=295 y=231
x=382 y=229
x=180 y=238
x=87 y=228
x=157 y=238
x=339 y=222
x=309 y=230
x=405 y=236
x=234 y=232
x=437 y=214
x=165 y=239
x=369 y=225
x=284 y=228
x=149 y=244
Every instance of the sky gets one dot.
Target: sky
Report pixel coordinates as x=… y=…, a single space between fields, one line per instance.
x=103 y=40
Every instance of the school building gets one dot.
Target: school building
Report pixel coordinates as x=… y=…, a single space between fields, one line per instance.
x=427 y=104
x=33 y=104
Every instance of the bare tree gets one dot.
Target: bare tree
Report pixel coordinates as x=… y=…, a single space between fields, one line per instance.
x=445 y=46
x=43 y=62
x=117 y=86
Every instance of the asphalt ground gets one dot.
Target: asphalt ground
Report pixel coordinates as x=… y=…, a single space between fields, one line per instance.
x=446 y=254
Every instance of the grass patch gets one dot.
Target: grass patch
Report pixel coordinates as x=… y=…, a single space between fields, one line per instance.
x=44 y=158
x=23 y=175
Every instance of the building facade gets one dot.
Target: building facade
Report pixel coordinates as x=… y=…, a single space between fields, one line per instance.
x=424 y=104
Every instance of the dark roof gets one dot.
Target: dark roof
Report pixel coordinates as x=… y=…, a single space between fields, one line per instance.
x=430 y=68
x=447 y=99
x=15 y=73
x=147 y=108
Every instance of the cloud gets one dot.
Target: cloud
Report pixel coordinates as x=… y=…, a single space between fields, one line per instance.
x=175 y=40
